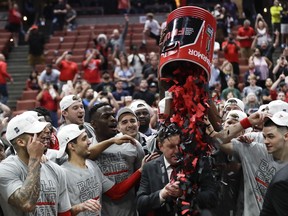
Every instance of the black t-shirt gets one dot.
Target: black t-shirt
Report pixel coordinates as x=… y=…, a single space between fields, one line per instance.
x=36 y=43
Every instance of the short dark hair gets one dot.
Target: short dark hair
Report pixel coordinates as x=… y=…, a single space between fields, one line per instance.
x=94 y=109
x=269 y=123
x=167 y=131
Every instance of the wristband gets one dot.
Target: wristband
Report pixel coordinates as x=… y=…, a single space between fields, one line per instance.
x=245 y=123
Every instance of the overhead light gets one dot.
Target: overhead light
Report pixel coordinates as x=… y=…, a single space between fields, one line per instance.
x=265 y=10
x=24 y=18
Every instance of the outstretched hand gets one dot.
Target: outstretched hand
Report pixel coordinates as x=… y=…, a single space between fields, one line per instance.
x=119 y=140
x=148 y=158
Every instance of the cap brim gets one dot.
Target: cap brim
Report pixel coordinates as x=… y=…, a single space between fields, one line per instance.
x=277 y=121
x=37 y=127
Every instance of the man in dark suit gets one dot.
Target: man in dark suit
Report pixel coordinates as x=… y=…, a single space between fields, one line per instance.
x=157 y=194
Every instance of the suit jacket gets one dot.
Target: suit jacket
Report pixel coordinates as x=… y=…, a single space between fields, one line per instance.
x=153 y=180
x=154 y=177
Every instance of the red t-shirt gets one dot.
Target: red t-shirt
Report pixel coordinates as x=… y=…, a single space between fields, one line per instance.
x=231 y=52
x=68 y=70
x=3 y=73
x=14 y=16
x=246 y=32
x=48 y=102
x=92 y=71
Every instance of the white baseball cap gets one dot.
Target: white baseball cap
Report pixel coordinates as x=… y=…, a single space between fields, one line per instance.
x=238 y=114
x=24 y=123
x=235 y=101
x=140 y=104
x=280 y=118
x=276 y=106
x=66 y=134
x=68 y=100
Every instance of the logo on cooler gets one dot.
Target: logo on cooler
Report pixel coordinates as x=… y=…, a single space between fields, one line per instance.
x=200 y=56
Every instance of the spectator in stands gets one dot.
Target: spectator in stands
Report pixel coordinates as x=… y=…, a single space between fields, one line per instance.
x=49 y=98
x=281 y=96
x=151 y=73
x=91 y=67
x=119 y=94
x=252 y=70
x=257 y=90
x=101 y=44
x=263 y=64
x=217 y=78
x=268 y=47
x=245 y=36
x=116 y=162
x=2 y=156
x=231 y=8
x=137 y=6
x=59 y=15
x=4 y=75
x=280 y=85
x=70 y=18
x=262 y=31
x=284 y=25
x=117 y=41
x=281 y=67
x=268 y=94
x=236 y=93
x=36 y=41
x=136 y=60
x=126 y=74
x=145 y=114
x=106 y=85
x=144 y=94
x=231 y=48
x=252 y=104
x=14 y=21
x=124 y=6
x=228 y=70
x=49 y=75
x=32 y=83
x=275 y=12
x=220 y=19
x=151 y=29
x=68 y=69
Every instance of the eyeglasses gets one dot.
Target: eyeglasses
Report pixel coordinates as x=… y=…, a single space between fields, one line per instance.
x=168 y=131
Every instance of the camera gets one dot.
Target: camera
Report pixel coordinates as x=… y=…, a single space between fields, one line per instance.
x=104 y=93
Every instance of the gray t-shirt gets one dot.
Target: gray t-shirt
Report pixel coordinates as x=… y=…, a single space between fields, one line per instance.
x=85 y=184
x=117 y=163
x=258 y=170
x=52 y=78
x=53 y=197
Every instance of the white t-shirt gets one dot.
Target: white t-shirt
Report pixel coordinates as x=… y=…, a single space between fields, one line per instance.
x=153 y=26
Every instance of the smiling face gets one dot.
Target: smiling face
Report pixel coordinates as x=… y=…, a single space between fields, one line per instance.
x=104 y=123
x=170 y=148
x=275 y=139
x=74 y=114
x=81 y=146
x=128 y=124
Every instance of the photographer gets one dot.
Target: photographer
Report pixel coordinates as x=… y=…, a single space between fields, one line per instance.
x=281 y=67
x=231 y=47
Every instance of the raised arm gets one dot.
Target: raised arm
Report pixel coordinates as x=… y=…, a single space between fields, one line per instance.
x=25 y=198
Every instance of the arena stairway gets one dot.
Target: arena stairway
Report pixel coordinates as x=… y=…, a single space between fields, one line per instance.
x=18 y=67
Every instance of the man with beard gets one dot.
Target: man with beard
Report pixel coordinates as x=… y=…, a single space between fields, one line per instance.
x=28 y=186
x=144 y=113
x=116 y=162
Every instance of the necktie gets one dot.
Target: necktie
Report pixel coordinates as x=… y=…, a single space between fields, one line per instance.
x=173 y=175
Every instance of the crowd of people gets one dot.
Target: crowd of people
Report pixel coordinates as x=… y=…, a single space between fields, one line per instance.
x=97 y=144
